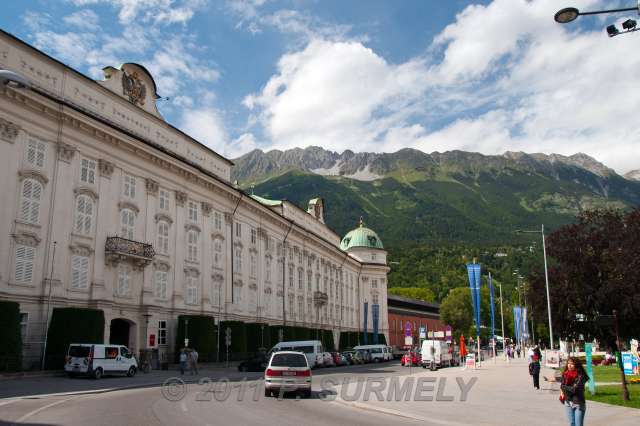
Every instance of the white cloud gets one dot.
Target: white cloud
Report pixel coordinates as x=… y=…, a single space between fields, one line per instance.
x=242 y=144
x=206 y=126
x=501 y=77
x=85 y=19
x=159 y=11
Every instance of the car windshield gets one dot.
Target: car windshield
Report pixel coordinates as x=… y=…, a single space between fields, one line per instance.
x=289 y=360
x=79 y=351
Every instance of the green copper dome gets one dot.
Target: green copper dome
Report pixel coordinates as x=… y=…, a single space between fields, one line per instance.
x=361 y=237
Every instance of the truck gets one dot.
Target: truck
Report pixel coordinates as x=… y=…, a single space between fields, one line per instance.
x=436 y=354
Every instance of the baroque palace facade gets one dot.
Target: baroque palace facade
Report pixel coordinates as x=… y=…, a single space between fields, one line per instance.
x=107 y=206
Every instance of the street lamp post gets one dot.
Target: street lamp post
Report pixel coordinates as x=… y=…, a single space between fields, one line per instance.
x=504 y=349
x=546 y=279
x=570 y=14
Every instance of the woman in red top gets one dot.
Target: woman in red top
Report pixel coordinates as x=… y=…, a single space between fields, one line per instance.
x=572 y=385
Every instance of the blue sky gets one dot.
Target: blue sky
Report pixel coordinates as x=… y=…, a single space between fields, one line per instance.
x=376 y=75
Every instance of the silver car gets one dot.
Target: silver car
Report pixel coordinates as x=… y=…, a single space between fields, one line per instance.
x=288 y=371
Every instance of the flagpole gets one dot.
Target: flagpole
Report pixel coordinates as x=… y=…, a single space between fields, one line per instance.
x=493 y=333
x=504 y=349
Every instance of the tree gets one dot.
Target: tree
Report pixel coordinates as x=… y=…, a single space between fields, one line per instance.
x=418 y=293
x=593 y=270
x=456 y=310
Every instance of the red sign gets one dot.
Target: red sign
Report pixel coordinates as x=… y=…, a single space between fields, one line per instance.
x=152 y=340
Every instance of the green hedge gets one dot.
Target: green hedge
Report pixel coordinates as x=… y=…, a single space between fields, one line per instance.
x=203 y=336
x=11 y=347
x=72 y=325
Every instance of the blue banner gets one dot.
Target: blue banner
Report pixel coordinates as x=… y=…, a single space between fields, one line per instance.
x=525 y=325
x=473 y=269
x=516 y=323
x=375 y=315
x=366 y=311
x=493 y=324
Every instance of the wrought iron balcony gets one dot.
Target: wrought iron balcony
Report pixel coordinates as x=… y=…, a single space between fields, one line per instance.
x=118 y=249
x=320 y=298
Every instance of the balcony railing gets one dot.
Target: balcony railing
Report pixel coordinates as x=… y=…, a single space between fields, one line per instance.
x=320 y=298
x=119 y=249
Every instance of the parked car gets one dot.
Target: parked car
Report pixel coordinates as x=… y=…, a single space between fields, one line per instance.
x=96 y=360
x=256 y=363
x=328 y=359
x=350 y=357
x=337 y=359
x=410 y=358
x=377 y=352
x=288 y=371
x=311 y=349
x=365 y=355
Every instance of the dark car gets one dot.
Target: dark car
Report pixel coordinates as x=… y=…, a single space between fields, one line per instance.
x=257 y=363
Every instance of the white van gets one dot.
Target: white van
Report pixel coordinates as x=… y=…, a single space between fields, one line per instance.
x=378 y=352
x=312 y=349
x=435 y=354
x=96 y=360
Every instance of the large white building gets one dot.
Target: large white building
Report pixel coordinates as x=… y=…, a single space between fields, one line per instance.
x=108 y=206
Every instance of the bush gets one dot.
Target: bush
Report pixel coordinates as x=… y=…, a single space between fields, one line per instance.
x=72 y=325
x=202 y=333
x=11 y=347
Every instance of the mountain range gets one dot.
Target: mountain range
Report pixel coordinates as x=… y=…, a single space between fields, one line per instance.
x=411 y=197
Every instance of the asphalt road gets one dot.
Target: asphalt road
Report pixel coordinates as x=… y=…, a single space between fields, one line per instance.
x=241 y=401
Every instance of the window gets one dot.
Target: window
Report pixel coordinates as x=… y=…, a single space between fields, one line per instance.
x=301 y=308
x=374 y=299
x=238 y=230
x=79 y=272
x=24 y=326
x=31 y=198
x=129 y=186
x=267 y=269
x=254 y=236
x=24 y=263
x=374 y=283
x=217 y=220
x=238 y=261
x=124 y=280
x=192 y=291
x=253 y=266
x=164 y=197
x=290 y=275
x=309 y=262
x=161 y=278
x=290 y=254
x=268 y=243
x=309 y=280
x=84 y=214
x=300 y=257
x=192 y=245
x=373 y=256
x=163 y=237
x=193 y=211
x=36 y=152
x=300 y=279
x=162 y=332
x=217 y=253
x=127 y=223
x=88 y=171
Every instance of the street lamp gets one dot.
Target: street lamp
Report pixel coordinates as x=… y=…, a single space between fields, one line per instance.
x=546 y=278
x=569 y=14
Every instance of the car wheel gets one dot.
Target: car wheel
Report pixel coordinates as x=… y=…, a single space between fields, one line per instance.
x=376 y=360
x=243 y=368
x=97 y=374
x=267 y=393
x=131 y=372
x=307 y=394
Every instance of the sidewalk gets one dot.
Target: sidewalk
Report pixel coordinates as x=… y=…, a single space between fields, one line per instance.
x=502 y=394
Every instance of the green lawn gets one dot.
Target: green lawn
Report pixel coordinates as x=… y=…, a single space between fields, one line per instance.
x=606 y=373
x=612 y=394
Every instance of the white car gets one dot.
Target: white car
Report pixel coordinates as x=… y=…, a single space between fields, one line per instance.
x=287 y=371
x=96 y=360
x=327 y=360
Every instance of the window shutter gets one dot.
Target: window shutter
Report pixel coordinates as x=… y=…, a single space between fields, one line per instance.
x=24 y=263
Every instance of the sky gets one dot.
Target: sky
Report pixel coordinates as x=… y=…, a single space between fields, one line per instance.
x=367 y=75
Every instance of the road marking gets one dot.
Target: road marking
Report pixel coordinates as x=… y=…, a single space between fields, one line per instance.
x=8 y=401
x=34 y=412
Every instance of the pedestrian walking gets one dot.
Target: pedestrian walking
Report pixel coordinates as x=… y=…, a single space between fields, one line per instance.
x=194 y=361
x=183 y=361
x=572 y=383
x=518 y=351
x=534 y=370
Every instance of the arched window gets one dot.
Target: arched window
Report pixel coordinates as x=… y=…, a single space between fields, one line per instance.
x=217 y=253
x=192 y=245
x=31 y=199
x=267 y=269
x=163 y=237
x=127 y=223
x=84 y=214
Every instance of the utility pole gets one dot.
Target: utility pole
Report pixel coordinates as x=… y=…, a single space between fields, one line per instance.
x=46 y=319
x=625 y=391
